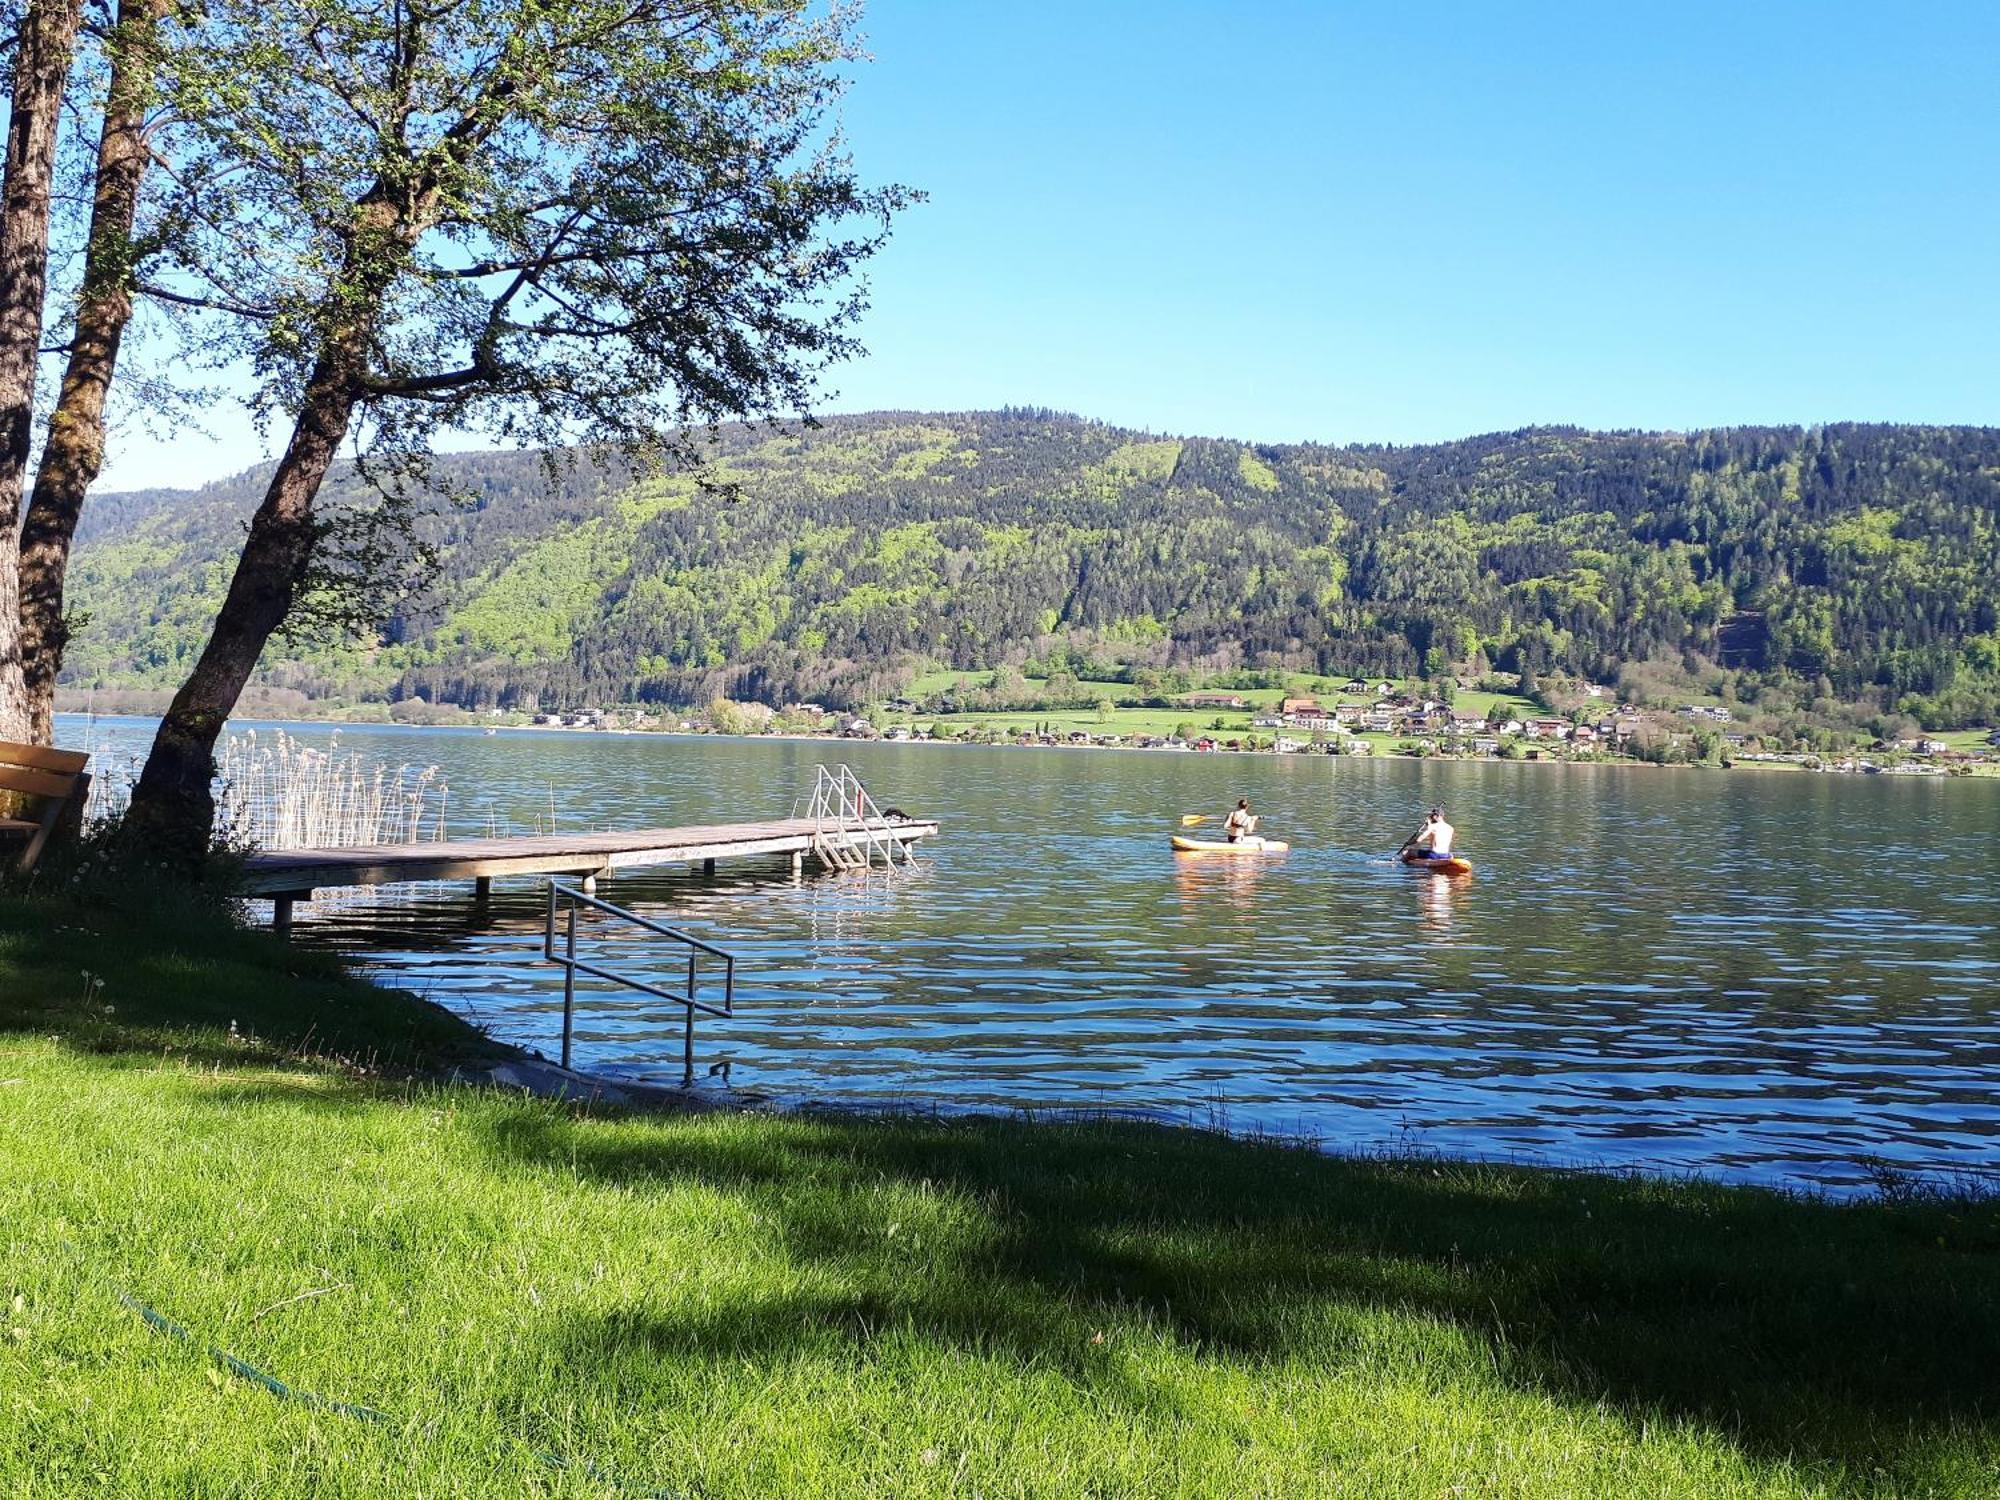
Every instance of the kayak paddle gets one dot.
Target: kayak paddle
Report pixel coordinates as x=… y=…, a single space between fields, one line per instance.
x=1188 y=820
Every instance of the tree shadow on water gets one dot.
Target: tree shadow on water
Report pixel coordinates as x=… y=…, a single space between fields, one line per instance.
x=1855 y=1335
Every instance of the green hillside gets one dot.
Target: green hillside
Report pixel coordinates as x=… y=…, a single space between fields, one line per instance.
x=1798 y=568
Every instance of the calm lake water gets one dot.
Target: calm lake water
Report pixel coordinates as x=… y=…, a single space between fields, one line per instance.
x=1763 y=976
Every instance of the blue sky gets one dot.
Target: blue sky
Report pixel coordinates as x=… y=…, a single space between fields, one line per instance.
x=1403 y=222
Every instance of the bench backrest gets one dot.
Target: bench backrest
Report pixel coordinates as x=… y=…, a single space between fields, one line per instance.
x=54 y=777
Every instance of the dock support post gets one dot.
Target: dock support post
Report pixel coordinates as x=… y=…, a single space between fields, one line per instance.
x=798 y=863
x=482 y=887
x=281 y=917
x=590 y=885
x=708 y=867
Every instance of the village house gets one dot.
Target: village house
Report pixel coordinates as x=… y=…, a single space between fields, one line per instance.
x=1214 y=700
x=1548 y=729
x=1486 y=744
x=1466 y=722
x=1348 y=713
x=1297 y=707
x=1355 y=686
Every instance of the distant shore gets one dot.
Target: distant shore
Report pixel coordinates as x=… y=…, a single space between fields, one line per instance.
x=1853 y=763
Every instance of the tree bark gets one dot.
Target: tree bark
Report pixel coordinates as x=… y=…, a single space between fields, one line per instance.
x=173 y=807
x=41 y=73
x=74 y=451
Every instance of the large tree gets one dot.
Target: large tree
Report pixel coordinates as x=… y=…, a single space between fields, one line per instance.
x=74 y=449
x=600 y=222
x=43 y=52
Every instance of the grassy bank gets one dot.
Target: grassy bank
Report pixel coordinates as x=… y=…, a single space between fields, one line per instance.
x=760 y=1306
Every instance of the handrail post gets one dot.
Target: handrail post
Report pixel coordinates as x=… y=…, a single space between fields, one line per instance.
x=569 y=985
x=687 y=1033
x=687 y=1048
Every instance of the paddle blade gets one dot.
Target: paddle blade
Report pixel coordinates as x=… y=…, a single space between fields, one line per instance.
x=1188 y=820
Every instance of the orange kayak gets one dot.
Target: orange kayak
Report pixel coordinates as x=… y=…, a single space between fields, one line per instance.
x=1185 y=845
x=1452 y=866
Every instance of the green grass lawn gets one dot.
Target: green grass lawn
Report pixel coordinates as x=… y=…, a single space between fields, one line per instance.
x=759 y=1306
x=1160 y=721
x=1966 y=739
x=1163 y=721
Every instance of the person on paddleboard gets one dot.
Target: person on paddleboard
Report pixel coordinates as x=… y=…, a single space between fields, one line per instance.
x=1241 y=823
x=1434 y=839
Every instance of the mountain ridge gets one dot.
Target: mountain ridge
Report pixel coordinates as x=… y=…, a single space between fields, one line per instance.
x=840 y=561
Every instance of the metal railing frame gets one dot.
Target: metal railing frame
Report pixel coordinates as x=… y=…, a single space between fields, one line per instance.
x=688 y=999
x=841 y=804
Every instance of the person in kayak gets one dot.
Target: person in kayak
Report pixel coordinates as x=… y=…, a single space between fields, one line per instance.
x=1241 y=823
x=1434 y=839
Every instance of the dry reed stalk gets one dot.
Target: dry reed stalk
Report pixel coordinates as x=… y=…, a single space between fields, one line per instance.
x=289 y=795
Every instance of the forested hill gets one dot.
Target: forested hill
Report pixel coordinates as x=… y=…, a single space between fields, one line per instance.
x=1860 y=563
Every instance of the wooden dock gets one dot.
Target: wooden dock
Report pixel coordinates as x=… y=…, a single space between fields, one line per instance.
x=284 y=876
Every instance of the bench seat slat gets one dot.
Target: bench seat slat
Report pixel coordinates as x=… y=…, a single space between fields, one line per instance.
x=35 y=783
x=42 y=757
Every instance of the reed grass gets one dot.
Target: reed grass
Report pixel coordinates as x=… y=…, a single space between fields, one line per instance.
x=278 y=792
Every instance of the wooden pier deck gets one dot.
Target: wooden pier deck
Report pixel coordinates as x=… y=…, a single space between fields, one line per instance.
x=283 y=876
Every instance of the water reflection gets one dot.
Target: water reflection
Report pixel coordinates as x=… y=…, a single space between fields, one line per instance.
x=1231 y=879
x=1707 y=1009
x=1436 y=897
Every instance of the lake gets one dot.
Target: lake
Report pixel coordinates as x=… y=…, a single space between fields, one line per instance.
x=1764 y=976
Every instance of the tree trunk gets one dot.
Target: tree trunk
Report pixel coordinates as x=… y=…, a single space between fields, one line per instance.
x=41 y=73
x=74 y=451
x=173 y=807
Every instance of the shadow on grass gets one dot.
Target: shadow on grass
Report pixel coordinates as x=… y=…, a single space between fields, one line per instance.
x=1854 y=1336
x=167 y=976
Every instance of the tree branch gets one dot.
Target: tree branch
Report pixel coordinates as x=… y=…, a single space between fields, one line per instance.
x=212 y=304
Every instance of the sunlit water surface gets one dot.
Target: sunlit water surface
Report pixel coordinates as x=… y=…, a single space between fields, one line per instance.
x=1764 y=976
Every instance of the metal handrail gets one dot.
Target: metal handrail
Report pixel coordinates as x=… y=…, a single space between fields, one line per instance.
x=837 y=791
x=688 y=998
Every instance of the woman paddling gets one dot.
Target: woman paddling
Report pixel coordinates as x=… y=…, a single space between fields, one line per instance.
x=1241 y=823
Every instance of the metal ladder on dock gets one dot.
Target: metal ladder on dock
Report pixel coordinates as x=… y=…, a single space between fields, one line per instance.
x=848 y=828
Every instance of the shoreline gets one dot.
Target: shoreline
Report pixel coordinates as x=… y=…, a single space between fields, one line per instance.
x=1977 y=768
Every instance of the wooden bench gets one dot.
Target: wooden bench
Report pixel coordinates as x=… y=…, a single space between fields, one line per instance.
x=51 y=783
